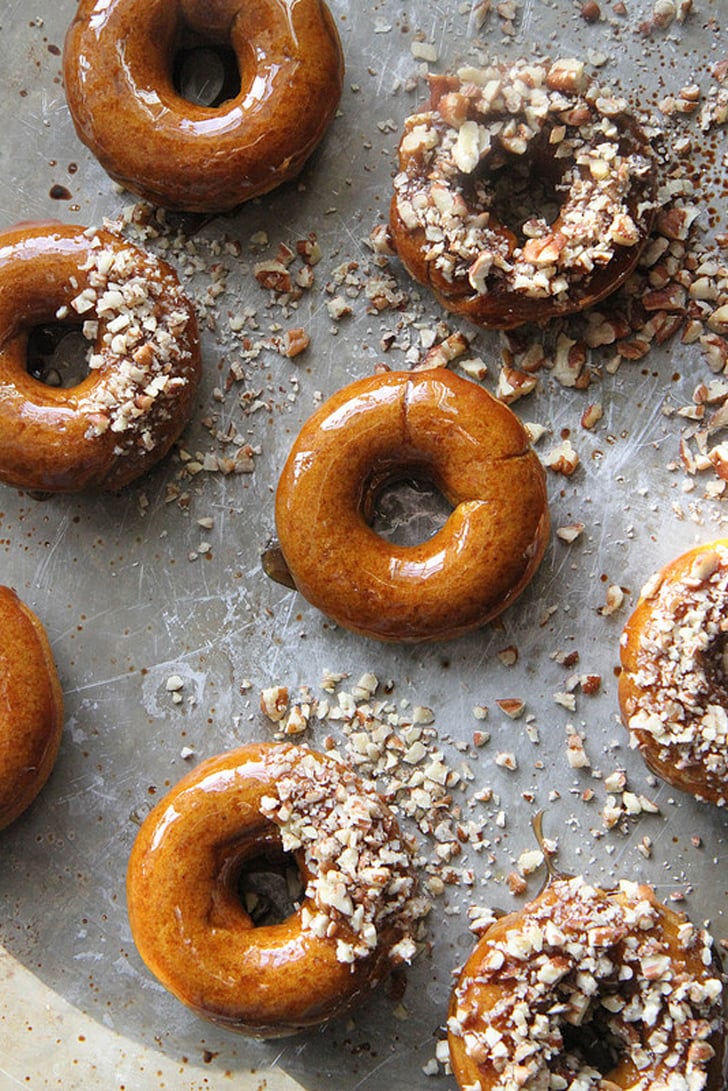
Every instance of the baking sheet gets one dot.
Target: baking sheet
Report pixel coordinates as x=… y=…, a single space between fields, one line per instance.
x=165 y=581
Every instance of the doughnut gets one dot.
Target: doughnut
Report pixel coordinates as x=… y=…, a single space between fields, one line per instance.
x=143 y=360
x=119 y=73
x=358 y=919
x=589 y=989
x=31 y=707
x=427 y=425
x=673 y=691
x=523 y=193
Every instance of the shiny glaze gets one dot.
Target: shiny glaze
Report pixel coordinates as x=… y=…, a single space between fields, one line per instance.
x=43 y=430
x=668 y=762
x=479 y=998
x=118 y=63
x=190 y=927
x=31 y=707
x=432 y=425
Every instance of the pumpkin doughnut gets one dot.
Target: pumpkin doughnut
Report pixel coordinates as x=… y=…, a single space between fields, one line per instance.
x=359 y=913
x=590 y=989
x=471 y=165
x=119 y=61
x=143 y=361
x=31 y=707
x=673 y=688
x=434 y=426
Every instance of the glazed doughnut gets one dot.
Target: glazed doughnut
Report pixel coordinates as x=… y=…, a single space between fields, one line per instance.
x=464 y=218
x=673 y=694
x=428 y=425
x=143 y=359
x=358 y=918
x=118 y=64
x=590 y=989
x=31 y=707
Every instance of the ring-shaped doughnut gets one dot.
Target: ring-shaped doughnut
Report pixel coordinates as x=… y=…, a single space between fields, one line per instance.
x=470 y=213
x=31 y=707
x=592 y=989
x=357 y=919
x=437 y=427
x=118 y=68
x=673 y=689
x=143 y=361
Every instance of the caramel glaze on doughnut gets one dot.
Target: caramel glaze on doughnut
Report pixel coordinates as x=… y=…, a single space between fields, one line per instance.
x=118 y=70
x=673 y=693
x=504 y=130
x=358 y=917
x=437 y=427
x=604 y=990
x=144 y=359
x=31 y=707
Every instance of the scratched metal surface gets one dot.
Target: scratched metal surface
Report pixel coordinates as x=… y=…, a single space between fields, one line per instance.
x=129 y=600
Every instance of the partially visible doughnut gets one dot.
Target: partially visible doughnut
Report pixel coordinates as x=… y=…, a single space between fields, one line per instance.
x=118 y=66
x=31 y=707
x=476 y=160
x=143 y=359
x=673 y=687
x=359 y=915
x=592 y=990
x=437 y=427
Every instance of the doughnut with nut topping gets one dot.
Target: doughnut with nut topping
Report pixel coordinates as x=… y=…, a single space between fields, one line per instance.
x=600 y=990
x=142 y=359
x=524 y=192
x=358 y=919
x=672 y=688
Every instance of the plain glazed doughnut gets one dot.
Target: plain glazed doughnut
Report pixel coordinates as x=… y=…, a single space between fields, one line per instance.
x=143 y=359
x=118 y=64
x=358 y=918
x=590 y=989
x=31 y=707
x=437 y=427
x=464 y=218
x=673 y=694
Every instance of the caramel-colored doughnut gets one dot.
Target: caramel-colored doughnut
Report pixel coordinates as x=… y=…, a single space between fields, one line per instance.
x=357 y=919
x=31 y=707
x=437 y=427
x=490 y=132
x=118 y=66
x=590 y=989
x=143 y=360
x=672 y=688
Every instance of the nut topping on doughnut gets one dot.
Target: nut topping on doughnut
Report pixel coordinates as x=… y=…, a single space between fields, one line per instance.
x=494 y=131
x=360 y=915
x=361 y=869
x=143 y=359
x=672 y=689
x=590 y=990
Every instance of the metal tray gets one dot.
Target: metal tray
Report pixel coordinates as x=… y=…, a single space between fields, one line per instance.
x=165 y=581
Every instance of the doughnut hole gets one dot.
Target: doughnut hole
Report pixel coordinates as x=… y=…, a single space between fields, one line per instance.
x=57 y=355
x=714 y=661
x=205 y=73
x=520 y=191
x=407 y=509
x=256 y=882
x=592 y=1044
x=270 y=888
